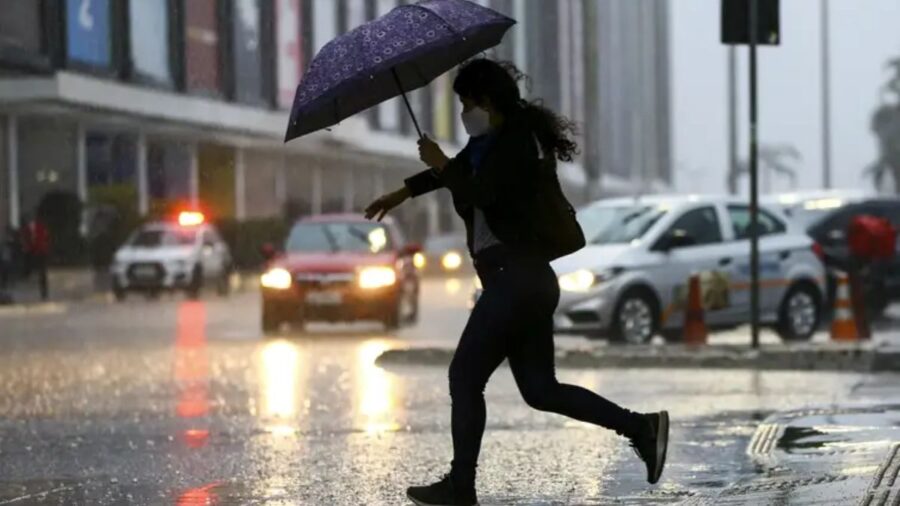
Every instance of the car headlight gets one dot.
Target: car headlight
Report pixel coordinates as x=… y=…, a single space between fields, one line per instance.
x=276 y=278
x=579 y=281
x=377 y=277
x=451 y=260
x=419 y=260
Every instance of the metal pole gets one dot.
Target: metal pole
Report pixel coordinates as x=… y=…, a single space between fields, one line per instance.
x=732 y=120
x=754 y=181
x=406 y=101
x=826 y=97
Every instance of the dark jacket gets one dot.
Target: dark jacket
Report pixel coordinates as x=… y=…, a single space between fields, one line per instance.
x=503 y=187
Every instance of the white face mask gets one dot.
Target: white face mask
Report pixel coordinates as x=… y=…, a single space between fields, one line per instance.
x=477 y=121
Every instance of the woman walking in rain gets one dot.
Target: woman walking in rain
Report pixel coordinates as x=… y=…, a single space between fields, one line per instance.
x=493 y=181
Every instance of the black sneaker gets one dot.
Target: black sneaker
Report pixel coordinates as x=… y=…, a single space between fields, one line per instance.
x=652 y=444
x=442 y=493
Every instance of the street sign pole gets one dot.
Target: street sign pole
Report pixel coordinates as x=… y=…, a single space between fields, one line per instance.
x=754 y=181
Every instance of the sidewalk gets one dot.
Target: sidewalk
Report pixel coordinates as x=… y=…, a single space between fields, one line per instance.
x=862 y=356
x=834 y=455
x=80 y=284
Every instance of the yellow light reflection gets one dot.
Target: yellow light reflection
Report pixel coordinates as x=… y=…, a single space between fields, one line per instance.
x=453 y=286
x=377 y=240
x=376 y=390
x=280 y=366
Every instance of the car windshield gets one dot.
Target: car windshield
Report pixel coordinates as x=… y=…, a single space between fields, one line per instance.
x=160 y=238
x=618 y=224
x=338 y=237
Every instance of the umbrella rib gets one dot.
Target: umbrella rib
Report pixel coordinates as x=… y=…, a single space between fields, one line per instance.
x=435 y=14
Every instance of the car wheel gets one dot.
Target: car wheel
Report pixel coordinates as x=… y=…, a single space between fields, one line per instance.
x=196 y=286
x=223 y=284
x=271 y=319
x=800 y=313
x=411 y=307
x=393 y=317
x=636 y=318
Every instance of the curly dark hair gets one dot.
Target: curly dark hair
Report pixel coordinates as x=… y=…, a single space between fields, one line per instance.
x=498 y=81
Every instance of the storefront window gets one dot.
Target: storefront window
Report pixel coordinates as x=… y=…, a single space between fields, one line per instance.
x=87 y=32
x=149 y=22
x=111 y=159
x=168 y=173
x=202 y=48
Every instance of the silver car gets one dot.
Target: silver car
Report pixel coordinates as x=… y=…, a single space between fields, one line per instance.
x=630 y=281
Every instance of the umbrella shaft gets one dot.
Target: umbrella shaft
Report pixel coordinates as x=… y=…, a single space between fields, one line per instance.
x=406 y=101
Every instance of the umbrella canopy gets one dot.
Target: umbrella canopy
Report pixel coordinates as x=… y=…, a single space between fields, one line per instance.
x=403 y=50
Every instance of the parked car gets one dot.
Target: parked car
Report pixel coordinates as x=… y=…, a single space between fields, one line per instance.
x=341 y=268
x=804 y=208
x=181 y=254
x=630 y=281
x=881 y=281
x=446 y=254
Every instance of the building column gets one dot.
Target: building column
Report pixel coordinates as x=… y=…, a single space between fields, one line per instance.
x=240 y=185
x=317 y=190
x=194 y=174
x=142 y=176
x=81 y=162
x=12 y=165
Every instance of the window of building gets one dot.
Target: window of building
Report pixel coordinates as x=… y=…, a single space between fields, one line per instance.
x=22 y=37
x=88 y=32
x=150 y=40
x=289 y=49
x=202 y=47
x=249 y=72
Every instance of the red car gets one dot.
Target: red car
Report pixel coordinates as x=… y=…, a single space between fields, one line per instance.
x=341 y=267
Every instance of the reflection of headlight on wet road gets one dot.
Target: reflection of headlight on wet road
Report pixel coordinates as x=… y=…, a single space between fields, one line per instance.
x=578 y=281
x=277 y=279
x=451 y=261
x=377 y=277
x=280 y=364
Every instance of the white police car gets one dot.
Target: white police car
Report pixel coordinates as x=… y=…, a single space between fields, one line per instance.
x=187 y=254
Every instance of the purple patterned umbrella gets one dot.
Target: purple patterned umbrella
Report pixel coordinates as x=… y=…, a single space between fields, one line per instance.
x=403 y=50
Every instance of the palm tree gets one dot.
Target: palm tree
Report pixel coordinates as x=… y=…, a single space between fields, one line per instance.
x=777 y=159
x=886 y=126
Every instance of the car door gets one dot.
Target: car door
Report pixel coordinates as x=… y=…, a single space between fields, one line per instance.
x=775 y=255
x=707 y=253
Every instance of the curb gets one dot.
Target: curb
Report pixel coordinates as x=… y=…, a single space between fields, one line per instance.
x=861 y=357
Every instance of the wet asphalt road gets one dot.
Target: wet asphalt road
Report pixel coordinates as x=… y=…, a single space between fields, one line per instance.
x=177 y=402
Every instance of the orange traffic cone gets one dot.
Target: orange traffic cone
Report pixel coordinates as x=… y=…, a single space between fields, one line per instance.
x=694 y=331
x=843 y=323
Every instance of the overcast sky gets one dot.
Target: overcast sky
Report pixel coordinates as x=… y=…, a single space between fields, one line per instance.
x=864 y=35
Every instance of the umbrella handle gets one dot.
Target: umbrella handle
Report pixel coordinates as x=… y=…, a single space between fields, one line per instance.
x=406 y=101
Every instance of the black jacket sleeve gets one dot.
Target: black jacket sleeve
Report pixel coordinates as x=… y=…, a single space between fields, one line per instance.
x=423 y=182
x=510 y=170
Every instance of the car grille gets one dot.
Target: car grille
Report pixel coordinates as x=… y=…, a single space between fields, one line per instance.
x=145 y=272
x=317 y=280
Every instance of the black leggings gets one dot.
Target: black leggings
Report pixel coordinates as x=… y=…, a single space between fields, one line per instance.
x=513 y=319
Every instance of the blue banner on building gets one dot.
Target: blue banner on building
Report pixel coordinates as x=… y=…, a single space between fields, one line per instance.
x=87 y=30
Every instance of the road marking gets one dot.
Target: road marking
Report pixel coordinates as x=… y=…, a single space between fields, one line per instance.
x=36 y=494
x=46 y=308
